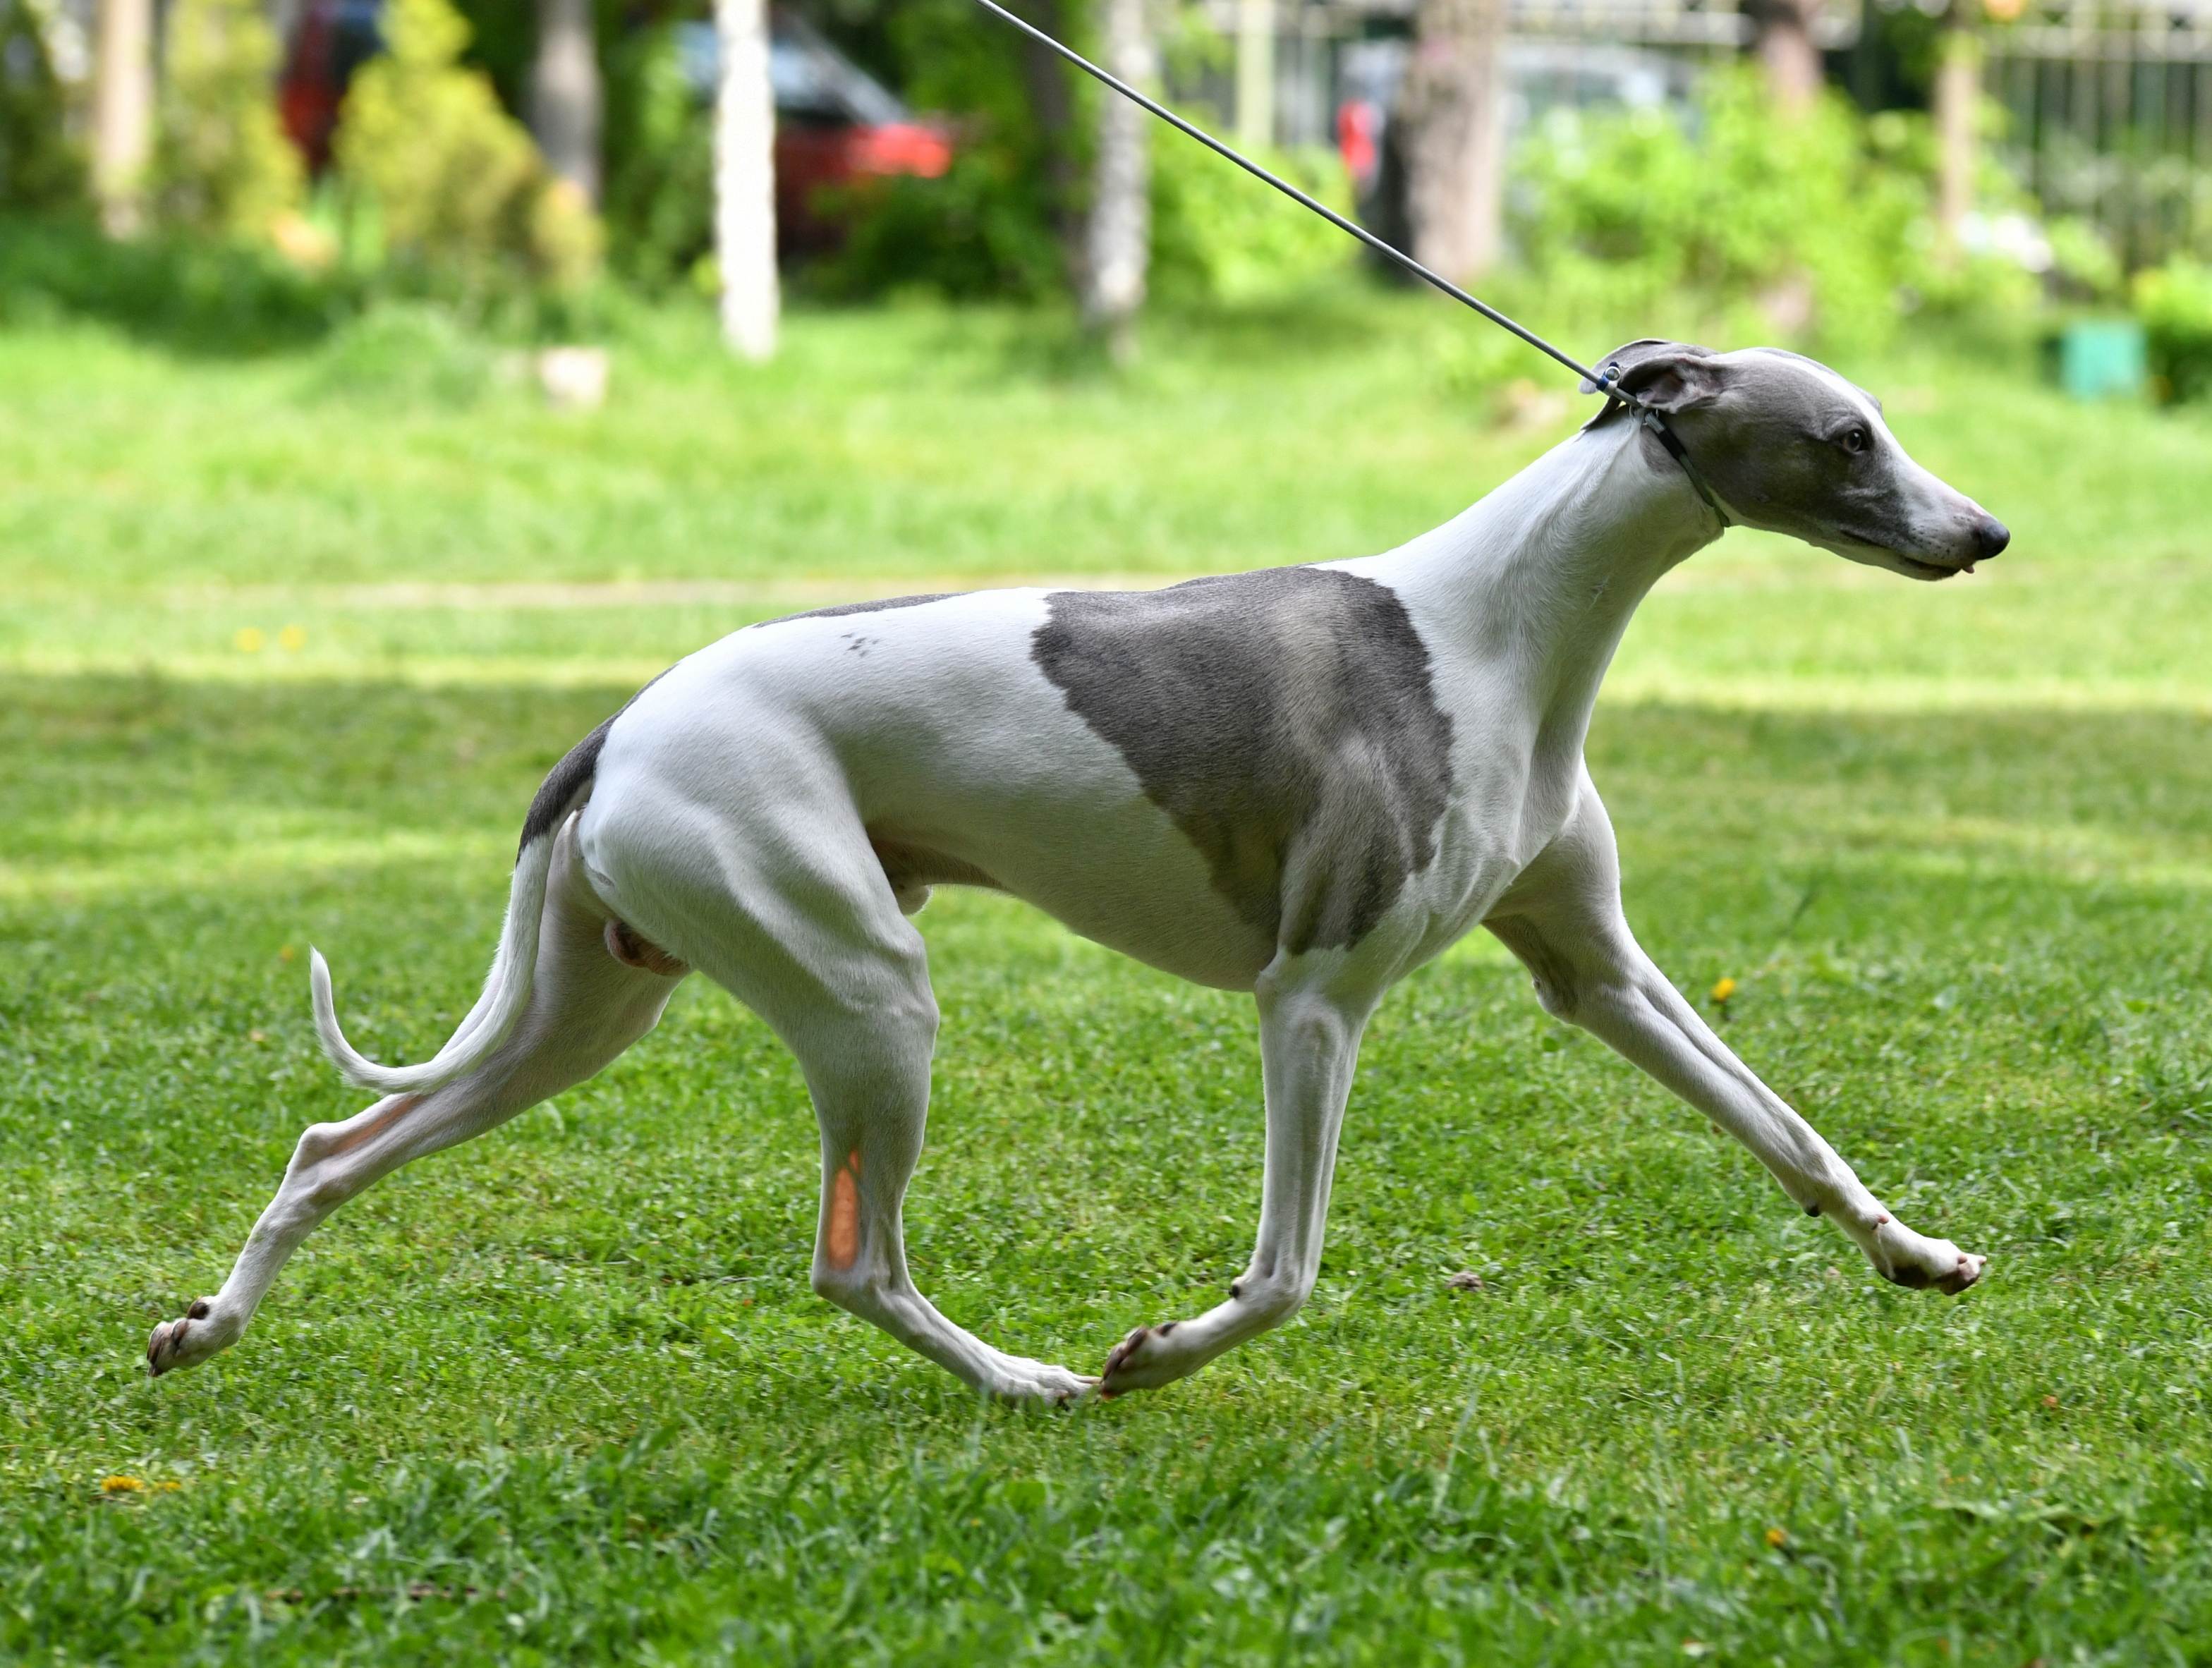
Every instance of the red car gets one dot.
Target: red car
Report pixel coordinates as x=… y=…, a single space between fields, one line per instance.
x=837 y=127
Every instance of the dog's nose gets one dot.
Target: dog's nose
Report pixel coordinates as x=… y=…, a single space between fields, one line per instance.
x=1990 y=536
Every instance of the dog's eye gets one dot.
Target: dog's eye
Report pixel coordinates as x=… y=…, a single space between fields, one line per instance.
x=1856 y=439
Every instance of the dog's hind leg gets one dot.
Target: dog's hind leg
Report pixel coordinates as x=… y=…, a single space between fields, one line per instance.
x=1563 y=918
x=869 y=1076
x=788 y=909
x=593 y=993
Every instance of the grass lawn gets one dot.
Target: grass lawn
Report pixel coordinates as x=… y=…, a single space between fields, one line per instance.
x=564 y=1395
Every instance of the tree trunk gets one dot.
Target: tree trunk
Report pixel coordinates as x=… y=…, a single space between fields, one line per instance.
x=1452 y=118
x=1117 y=244
x=1255 y=72
x=745 y=179
x=564 y=94
x=1783 y=39
x=122 y=111
x=1045 y=78
x=1958 y=95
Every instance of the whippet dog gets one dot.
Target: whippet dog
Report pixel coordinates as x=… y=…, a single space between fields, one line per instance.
x=1302 y=782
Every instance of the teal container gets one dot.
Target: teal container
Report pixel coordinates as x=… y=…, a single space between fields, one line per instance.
x=2101 y=358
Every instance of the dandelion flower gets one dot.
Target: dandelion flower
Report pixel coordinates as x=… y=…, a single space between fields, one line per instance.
x=121 y=1485
x=1777 y=1537
x=1723 y=990
x=285 y=952
x=249 y=640
x=292 y=639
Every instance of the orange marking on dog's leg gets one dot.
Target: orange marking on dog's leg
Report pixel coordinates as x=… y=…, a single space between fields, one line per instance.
x=845 y=1212
x=377 y=1124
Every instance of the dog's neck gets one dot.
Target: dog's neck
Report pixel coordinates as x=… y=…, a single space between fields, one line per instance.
x=1542 y=574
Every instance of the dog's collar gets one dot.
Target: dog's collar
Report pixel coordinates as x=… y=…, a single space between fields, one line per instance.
x=1607 y=384
x=1681 y=454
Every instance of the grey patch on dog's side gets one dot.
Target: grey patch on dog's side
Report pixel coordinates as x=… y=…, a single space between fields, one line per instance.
x=1285 y=718
x=837 y=609
x=571 y=777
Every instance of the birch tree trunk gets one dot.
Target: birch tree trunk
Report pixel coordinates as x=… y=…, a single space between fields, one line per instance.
x=745 y=179
x=1783 y=40
x=122 y=111
x=565 y=99
x=1117 y=241
x=1452 y=111
x=1255 y=72
x=1957 y=92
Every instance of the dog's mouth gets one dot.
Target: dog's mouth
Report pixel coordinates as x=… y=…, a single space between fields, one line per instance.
x=1929 y=570
x=1874 y=554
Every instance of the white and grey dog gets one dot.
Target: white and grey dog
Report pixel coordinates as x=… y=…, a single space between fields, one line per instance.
x=1302 y=782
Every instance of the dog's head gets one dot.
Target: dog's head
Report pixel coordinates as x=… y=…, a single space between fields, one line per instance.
x=1787 y=445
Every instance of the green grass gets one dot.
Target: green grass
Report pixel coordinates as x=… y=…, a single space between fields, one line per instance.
x=563 y=1395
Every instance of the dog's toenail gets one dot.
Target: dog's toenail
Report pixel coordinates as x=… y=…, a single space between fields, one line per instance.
x=1813 y=1209
x=198 y=1311
x=1236 y=1289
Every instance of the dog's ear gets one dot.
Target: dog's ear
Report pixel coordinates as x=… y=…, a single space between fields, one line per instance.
x=1668 y=376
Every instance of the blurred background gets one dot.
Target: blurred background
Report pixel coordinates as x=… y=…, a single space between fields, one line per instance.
x=502 y=341
x=1819 y=171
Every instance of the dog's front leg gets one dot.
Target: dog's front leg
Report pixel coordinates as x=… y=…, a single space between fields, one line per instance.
x=1309 y=1045
x=1563 y=918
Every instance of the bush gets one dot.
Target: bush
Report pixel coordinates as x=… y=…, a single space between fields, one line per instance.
x=992 y=226
x=2174 y=304
x=1744 y=220
x=1220 y=234
x=660 y=162
x=41 y=170
x=455 y=188
x=405 y=354
x=196 y=294
x=221 y=165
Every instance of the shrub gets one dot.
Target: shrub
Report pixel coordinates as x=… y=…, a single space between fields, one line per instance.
x=2174 y=303
x=660 y=162
x=197 y=294
x=221 y=164
x=39 y=168
x=1219 y=234
x=405 y=354
x=1741 y=218
x=456 y=190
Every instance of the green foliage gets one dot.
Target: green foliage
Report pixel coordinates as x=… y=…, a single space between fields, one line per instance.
x=40 y=168
x=2174 y=303
x=1747 y=221
x=660 y=162
x=405 y=354
x=195 y=295
x=993 y=225
x=1219 y=234
x=459 y=193
x=222 y=166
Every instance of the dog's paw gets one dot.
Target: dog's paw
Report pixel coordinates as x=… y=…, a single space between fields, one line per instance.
x=1036 y=1384
x=176 y=1344
x=1148 y=1358
x=1919 y=1263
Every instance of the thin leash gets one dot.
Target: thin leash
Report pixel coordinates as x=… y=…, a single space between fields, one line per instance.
x=1604 y=381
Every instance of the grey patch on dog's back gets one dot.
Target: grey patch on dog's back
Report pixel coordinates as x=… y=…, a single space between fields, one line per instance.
x=834 y=611
x=1280 y=714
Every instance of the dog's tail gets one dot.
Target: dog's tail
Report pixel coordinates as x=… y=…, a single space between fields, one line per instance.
x=514 y=969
